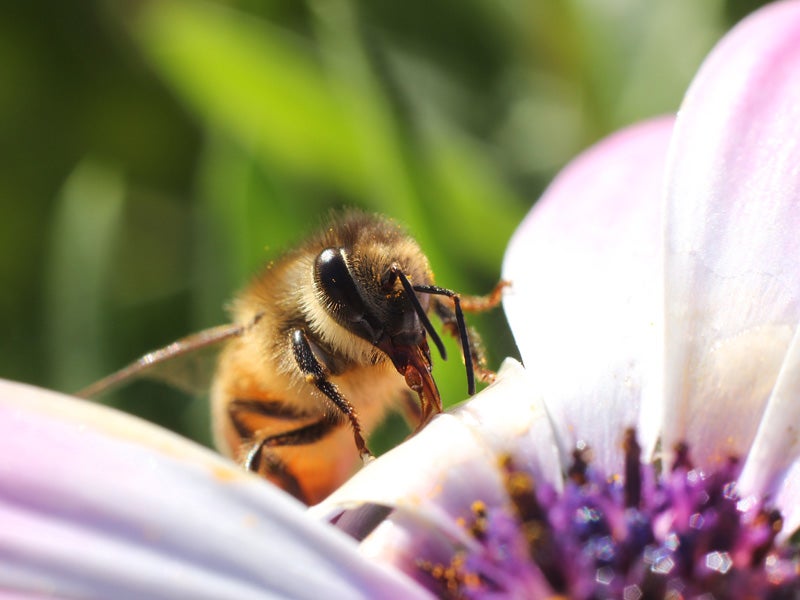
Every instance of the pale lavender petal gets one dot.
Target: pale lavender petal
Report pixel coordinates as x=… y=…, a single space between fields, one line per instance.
x=585 y=272
x=733 y=248
x=454 y=461
x=97 y=504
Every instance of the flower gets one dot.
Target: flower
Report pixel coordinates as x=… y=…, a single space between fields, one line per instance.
x=649 y=447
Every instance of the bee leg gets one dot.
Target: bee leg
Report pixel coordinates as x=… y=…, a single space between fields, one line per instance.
x=261 y=453
x=477 y=354
x=476 y=348
x=453 y=321
x=315 y=373
x=486 y=302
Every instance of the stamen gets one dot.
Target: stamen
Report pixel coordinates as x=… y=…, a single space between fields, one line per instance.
x=682 y=460
x=633 y=473
x=581 y=457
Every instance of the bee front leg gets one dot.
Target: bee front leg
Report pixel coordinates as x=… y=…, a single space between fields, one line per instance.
x=489 y=301
x=315 y=373
x=476 y=353
x=454 y=324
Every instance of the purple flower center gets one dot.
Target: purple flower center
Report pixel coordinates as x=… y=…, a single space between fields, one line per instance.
x=677 y=534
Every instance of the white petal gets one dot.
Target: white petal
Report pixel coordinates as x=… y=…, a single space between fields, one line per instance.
x=97 y=504
x=585 y=272
x=512 y=420
x=733 y=249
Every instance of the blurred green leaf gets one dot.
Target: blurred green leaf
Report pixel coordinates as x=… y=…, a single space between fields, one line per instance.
x=329 y=119
x=254 y=80
x=84 y=230
x=483 y=212
x=244 y=218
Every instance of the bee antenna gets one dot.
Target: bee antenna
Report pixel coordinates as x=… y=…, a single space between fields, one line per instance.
x=463 y=332
x=426 y=322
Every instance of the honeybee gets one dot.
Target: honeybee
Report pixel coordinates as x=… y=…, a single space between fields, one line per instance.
x=324 y=341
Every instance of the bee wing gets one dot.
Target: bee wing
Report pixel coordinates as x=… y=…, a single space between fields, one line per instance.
x=186 y=364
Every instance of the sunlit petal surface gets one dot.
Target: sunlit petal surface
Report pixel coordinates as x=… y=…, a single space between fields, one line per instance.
x=585 y=278
x=733 y=249
x=96 y=504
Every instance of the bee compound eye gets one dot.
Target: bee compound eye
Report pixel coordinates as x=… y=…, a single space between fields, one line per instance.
x=334 y=278
x=344 y=296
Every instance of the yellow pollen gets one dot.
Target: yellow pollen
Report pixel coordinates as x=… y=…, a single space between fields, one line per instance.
x=479 y=508
x=518 y=484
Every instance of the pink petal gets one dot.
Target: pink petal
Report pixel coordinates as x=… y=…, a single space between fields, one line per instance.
x=585 y=274
x=733 y=248
x=94 y=503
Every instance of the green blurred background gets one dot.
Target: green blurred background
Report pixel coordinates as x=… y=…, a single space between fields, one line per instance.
x=155 y=153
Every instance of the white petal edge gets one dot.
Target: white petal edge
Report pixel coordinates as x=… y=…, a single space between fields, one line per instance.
x=98 y=504
x=585 y=273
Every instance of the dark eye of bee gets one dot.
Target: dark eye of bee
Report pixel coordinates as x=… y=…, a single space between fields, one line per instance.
x=335 y=278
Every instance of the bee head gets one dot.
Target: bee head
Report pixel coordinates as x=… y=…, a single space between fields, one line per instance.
x=368 y=299
x=375 y=301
